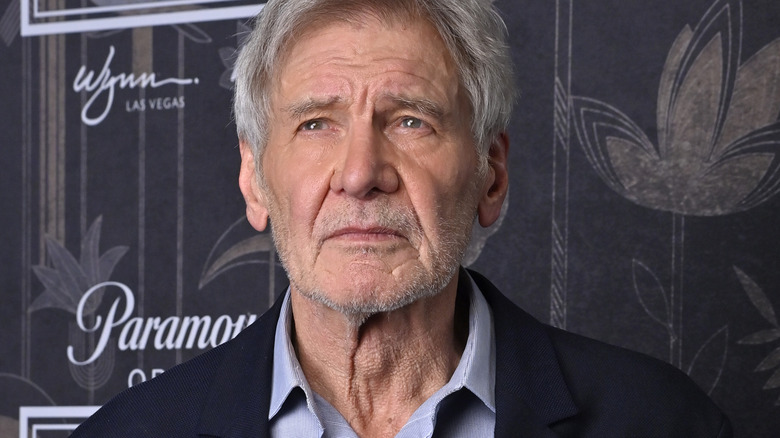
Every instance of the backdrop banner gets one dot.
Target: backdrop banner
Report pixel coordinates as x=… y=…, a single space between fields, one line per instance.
x=645 y=168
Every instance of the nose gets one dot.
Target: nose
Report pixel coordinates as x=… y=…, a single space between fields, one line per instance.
x=365 y=166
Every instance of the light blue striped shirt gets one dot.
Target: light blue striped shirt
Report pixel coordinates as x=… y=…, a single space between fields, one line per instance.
x=464 y=407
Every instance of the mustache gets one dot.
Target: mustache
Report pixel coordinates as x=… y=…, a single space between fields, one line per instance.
x=373 y=215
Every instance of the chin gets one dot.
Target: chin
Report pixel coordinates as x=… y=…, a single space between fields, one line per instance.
x=365 y=294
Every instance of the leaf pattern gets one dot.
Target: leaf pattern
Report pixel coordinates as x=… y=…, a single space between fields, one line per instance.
x=757 y=297
x=651 y=294
x=68 y=279
x=89 y=258
x=54 y=295
x=239 y=245
x=261 y=243
x=771 y=361
x=761 y=337
x=761 y=302
x=774 y=381
x=707 y=364
x=71 y=275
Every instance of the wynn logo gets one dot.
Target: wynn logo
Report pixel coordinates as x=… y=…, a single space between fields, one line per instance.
x=104 y=82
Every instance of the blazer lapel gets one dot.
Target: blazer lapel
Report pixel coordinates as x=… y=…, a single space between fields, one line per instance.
x=239 y=397
x=531 y=393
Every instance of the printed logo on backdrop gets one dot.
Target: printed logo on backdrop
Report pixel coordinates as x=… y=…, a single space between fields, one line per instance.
x=101 y=87
x=104 y=314
x=43 y=18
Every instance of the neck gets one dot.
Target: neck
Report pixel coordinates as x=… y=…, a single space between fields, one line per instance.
x=378 y=373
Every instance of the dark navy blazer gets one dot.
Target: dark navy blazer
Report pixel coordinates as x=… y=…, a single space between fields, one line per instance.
x=549 y=383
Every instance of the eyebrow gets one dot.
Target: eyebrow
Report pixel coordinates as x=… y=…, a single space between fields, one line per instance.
x=298 y=110
x=421 y=105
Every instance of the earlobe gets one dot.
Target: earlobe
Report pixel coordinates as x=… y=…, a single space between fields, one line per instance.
x=497 y=182
x=256 y=207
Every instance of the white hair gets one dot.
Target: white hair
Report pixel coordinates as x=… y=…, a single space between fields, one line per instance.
x=472 y=31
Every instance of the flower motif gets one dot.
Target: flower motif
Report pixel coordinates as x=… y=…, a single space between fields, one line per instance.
x=67 y=281
x=718 y=133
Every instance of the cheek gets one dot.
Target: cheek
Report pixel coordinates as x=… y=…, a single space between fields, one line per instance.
x=306 y=198
x=440 y=194
x=446 y=178
x=299 y=189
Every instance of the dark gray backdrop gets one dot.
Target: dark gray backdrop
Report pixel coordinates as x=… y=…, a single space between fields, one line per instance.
x=651 y=229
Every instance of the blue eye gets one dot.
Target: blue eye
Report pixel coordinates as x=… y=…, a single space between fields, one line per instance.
x=411 y=122
x=313 y=125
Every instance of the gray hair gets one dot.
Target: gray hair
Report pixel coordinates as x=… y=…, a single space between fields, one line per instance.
x=472 y=30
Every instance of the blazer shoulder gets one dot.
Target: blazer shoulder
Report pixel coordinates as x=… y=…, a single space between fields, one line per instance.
x=636 y=391
x=610 y=391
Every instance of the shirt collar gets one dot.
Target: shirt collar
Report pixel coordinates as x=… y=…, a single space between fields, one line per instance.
x=475 y=371
x=287 y=373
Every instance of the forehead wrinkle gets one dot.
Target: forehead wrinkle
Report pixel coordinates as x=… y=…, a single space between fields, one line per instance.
x=420 y=84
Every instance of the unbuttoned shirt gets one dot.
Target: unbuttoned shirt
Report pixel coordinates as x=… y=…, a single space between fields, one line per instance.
x=463 y=407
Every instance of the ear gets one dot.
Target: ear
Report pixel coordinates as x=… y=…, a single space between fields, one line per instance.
x=256 y=206
x=496 y=183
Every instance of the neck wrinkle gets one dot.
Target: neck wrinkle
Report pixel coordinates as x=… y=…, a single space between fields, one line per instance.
x=376 y=375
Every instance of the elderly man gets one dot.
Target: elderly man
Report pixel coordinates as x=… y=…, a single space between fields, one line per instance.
x=371 y=135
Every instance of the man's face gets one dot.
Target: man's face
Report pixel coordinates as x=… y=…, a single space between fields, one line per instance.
x=370 y=167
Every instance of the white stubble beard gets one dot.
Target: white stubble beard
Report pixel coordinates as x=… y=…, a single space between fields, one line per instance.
x=420 y=283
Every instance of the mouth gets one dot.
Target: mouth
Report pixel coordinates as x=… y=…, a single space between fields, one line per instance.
x=365 y=234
